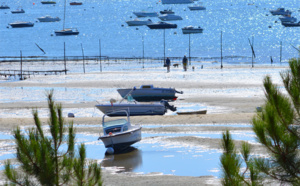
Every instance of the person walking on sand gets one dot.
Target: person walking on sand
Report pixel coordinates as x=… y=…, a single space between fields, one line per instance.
x=184 y=63
x=168 y=63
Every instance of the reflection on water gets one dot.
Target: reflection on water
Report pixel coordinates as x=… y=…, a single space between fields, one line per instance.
x=128 y=161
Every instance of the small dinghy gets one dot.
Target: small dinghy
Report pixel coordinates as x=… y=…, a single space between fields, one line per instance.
x=119 y=134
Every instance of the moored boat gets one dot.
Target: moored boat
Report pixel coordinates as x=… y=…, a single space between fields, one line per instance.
x=170 y=17
x=67 y=31
x=150 y=93
x=138 y=22
x=3 y=6
x=48 y=2
x=146 y=14
x=20 y=24
x=119 y=134
x=191 y=30
x=280 y=11
x=18 y=11
x=196 y=7
x=48 y=19
x=176 y=1
x=167 y=11
x=287 y=18
x=291 y=24
x=161 y=25
x=75 y=3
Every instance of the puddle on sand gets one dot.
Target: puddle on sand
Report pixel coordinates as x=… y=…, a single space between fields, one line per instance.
x=154 y=156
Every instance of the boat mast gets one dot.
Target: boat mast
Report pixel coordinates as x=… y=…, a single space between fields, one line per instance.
x=64 y=14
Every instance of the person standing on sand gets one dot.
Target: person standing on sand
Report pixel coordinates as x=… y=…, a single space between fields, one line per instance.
x=184 y=63
x=168 y=63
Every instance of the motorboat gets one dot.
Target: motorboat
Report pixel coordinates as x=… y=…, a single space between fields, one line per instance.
x=196 y=7
x=191 y=30
x=119 y=134
x=67 y=31
x=167 y=11
x=48 y=2
x=48 y=18
x=280 y=11
x=150 y=93
x=20 y=24
x=291 y=24
x=287 y=18
x=146 y=14
x=170 y=17
x=176 y=1
x=3 y=6
x=161 y=25
x=75 y=3
x=138 y=22
x=18 y=11
x=135 y=108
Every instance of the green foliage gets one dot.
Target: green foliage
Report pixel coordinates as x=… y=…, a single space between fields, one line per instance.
x=43 y=159
x=231 y=163
x=277 y=129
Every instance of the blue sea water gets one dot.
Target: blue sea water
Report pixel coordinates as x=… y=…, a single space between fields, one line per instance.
x=105 y=20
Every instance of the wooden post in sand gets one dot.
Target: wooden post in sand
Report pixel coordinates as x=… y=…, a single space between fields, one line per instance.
x=100 y=55
x=221 y=51
x=21 y=78
x=83 y=58
x=65 y=63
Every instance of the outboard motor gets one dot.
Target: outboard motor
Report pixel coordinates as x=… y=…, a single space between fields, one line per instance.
x=168 y=106
x=179 y=92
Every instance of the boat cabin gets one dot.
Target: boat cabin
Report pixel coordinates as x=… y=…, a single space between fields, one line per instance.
x=115 y=126
x=146 y=86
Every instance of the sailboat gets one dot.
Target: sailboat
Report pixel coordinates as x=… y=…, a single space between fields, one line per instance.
x=66 y=31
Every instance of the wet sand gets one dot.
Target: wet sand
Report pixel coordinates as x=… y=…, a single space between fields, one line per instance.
x=239 y=110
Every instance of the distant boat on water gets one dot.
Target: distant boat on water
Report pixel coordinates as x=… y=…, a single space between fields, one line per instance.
x=170 y=17
x=66 y=31
x=48 y=2
x=18 y=11
x=20 y=24
x=176 y=1
x=3 y=6
x=280 y=11
x=291 y=24
x=75 y=3
x=48 y=18
x=191 y=30
x=197 y=7
x=161 y=25
x=138 y=22
x=146 y=14
x=287 y=18
x=167 y=11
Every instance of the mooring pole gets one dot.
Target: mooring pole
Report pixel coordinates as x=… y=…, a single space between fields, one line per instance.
x=280 y=50
x=221 y=50
x=164 y=46
x=21 y=78
x=65 y=63
x=252 y=51
x=190 y=48
x=83 y=59
x=143 y=50
x=100 y=54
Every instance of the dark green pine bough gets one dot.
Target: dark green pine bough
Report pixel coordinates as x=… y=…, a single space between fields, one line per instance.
x=43 y=160
x=277 y=129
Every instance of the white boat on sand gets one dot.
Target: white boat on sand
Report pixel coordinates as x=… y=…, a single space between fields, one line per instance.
x=119 y=134
x=135 y=109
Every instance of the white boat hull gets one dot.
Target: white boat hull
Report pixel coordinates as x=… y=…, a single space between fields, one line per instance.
x=138 y=23
x=122 y=140
x=134 y=109
x=48 y=19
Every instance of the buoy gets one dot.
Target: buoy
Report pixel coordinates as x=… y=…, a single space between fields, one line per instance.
x=110 y=150
x=137 y=28
x=270 y=26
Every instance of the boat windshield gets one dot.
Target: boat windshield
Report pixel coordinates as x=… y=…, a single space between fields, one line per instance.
x=114 y=122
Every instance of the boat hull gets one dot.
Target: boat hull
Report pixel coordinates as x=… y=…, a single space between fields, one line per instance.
x=121 y=141
x=192 y=31
x=192 y=112
x=196 y=8
x=133 y=109
x=21 y=25
x=48 y=19
x=146 y=14
x=290 y=24
x=137 y=23
x=177 y=1
x=155 y=94
x=48 y=2
x=63 y=33
x=156 y=26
